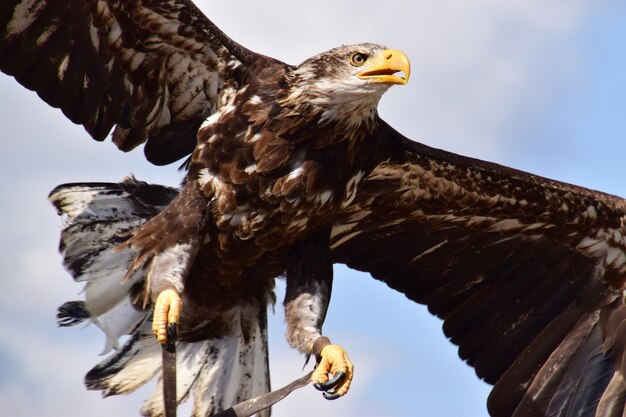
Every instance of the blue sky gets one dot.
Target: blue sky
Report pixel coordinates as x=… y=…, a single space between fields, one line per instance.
x=536 y=85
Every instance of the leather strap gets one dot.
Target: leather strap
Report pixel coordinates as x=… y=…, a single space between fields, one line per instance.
x=254 y=405
x=319 y=344
x=169 y=378
x=243 y=409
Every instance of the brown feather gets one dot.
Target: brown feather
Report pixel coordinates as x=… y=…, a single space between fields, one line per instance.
x=501 y=256
x=106 y=71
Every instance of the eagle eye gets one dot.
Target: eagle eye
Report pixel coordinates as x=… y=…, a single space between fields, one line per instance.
x=357 y=59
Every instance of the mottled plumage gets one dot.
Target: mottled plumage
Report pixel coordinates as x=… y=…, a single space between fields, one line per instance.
x=289 y=170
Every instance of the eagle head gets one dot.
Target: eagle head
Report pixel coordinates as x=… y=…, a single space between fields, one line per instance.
x=346 y=83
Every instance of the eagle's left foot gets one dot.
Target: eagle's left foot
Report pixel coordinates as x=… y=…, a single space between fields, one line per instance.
x=333 y=360
x=167 y=311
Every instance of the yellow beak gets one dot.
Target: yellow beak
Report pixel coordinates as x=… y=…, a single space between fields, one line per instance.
x=383 y=68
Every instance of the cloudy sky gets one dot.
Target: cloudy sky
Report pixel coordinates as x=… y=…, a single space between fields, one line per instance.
x=537 y=85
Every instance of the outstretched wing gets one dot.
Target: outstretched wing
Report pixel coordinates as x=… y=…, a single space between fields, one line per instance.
x=153 y=69
x=522 y=270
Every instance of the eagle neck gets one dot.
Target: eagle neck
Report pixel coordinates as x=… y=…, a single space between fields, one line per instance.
x=345 y=109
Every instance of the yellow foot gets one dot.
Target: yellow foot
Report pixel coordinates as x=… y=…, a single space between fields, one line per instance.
x=334 y=360
x=167 y=311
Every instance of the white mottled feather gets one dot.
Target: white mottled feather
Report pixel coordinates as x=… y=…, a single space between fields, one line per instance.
x=99 y=215
x=310 y=309
x=82 y=202
x=24 y=15
x=138 y=366
x=171 y=265
x=104 y=277
x=117 y=321
x=233 y=371
x=219 y=373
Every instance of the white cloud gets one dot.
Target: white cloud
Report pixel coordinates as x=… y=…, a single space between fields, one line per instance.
x=51 y=368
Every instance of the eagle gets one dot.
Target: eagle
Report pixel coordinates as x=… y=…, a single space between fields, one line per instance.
x=290 y=170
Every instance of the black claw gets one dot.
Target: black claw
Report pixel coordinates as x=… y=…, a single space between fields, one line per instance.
x=326 y=386
x=331 y=395
x=172 y=333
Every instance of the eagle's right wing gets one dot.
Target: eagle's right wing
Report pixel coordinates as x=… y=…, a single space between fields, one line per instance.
x=153 y=69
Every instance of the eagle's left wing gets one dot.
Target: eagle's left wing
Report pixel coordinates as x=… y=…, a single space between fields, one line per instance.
x=524 y=271
x=151 y=69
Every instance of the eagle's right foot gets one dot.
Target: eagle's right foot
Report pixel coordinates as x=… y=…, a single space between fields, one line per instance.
x=166 y=316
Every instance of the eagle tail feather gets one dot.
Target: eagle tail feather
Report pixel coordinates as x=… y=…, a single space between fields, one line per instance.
x=128 y=367
x=218 y=372
x=98 y=216
x=72 y=313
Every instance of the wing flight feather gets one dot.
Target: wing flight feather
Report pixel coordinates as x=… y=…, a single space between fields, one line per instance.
x=506 y=260
x=150 y=69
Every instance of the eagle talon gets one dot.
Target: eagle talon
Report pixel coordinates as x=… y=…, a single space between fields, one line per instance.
x=167 y=311
x=328 y=385
x=334 y=362
x=331 y=395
